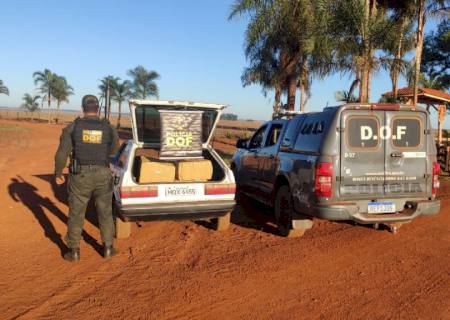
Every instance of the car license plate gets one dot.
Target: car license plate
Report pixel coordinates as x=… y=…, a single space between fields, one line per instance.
x=381 y=207
x=182 y=191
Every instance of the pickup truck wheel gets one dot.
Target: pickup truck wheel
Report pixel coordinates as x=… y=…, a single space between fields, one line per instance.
x=283 y=213
x=222 y=223
x=123 y=228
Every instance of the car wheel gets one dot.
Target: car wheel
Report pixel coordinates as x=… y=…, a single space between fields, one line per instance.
x=222 y=223
x=283 y=213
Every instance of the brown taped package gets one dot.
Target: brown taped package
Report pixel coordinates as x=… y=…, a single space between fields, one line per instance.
x=154 y=171
x=195 y=170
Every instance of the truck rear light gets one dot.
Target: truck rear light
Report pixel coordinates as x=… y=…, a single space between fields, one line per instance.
x=324 y=179
x=138 y=192
x=216 y=189
x=436 y=171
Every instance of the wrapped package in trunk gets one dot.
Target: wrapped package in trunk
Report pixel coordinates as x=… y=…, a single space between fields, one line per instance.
x=195 y=170
x=152 y=171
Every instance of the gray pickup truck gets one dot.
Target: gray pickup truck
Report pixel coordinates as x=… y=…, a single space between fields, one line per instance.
x=367 y=163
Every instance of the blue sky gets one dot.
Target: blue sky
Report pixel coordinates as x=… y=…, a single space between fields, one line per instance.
x=191 y=44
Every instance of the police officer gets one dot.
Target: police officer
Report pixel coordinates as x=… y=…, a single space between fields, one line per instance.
x=91 y=141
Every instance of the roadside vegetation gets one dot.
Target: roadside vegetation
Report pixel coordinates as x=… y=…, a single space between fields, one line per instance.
x=3 y=88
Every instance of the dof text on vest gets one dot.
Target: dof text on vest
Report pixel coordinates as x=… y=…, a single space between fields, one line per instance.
x=92 y=141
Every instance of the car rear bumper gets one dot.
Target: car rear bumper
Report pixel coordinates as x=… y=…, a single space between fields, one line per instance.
x=174 y=211
x=351 y=212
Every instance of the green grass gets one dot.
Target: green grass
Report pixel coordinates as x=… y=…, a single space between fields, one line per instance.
x=12 y=128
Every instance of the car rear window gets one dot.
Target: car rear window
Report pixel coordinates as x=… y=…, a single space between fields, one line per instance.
x=362 y=132
x=406 y=132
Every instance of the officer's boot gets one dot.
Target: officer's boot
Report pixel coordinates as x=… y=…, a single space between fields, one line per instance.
x=73 y=255
x=109 y=251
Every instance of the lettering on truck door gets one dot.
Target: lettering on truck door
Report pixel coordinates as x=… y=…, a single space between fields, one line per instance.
x=362 y=171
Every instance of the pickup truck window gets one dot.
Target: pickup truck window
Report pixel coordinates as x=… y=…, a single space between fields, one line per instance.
x=274 y=134
x=406 y=132
x=362 y=132
x=257 y=138
x=291 y=131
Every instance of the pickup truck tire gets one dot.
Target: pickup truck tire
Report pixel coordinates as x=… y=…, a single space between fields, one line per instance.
x=222 y=223
x=123 y=228
x=283 y=213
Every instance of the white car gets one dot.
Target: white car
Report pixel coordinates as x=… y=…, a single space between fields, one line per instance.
x=138 y=200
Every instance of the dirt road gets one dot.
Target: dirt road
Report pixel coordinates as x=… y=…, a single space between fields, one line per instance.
x=184 y=270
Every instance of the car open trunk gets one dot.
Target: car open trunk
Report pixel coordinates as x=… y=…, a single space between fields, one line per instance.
x=173 y=142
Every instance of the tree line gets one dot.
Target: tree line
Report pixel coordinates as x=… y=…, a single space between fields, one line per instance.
x=53 y=87
x=288 y=43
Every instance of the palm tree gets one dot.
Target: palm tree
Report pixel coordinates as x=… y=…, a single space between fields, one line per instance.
x=61 y=92
x=281 y=39
x=359 y=28
x=143 y=81
x=108 y=82
x=433 y=81
x=3 y=88
x=345 y=96
x=46 y=80
x=30 y=103
x=122 y=91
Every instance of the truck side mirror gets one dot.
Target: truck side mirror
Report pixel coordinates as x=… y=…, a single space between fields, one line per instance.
x=242 y=144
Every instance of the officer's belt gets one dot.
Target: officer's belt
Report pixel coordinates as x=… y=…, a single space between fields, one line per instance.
x=93 y=166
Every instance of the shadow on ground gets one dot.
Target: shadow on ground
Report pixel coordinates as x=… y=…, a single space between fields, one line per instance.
x=22 y=191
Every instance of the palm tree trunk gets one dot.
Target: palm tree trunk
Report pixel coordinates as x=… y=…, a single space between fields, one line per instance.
x=276 y=105
x=398 y=56
x=120 y=115
x=303 y=76
x=419 y=46
x=49 y=102
x=58 y=105
x=292 y=88
x=369 y=82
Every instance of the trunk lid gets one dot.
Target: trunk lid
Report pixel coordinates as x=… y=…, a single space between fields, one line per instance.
x=146 y=119
x=383 y=154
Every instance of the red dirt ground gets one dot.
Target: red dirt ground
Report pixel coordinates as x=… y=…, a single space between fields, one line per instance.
x=184 y=270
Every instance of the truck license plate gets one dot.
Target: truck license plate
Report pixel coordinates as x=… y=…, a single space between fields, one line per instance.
x=381 y=207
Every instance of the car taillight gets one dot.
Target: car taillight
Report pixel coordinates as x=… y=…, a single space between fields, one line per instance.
x=215 y=189
x=324 y=179
x=138 y=192
x=436 y=171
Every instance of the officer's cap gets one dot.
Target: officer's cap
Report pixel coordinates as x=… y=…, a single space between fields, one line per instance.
x=89 y=103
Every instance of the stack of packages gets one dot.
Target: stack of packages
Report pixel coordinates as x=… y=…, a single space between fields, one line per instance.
x=157 y=171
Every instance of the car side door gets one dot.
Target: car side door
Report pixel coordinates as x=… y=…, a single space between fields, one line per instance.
x=268 y=158
x=250 y=160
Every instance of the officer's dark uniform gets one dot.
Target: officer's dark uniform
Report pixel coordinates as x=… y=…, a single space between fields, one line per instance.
x=92 y=141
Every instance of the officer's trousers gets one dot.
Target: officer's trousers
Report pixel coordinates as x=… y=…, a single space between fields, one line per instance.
x=94 y=181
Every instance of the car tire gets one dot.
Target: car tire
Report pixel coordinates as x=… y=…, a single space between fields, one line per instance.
x=222 y=223
x=284 y=206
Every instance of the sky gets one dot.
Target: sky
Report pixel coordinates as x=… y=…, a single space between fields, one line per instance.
x=197 y=51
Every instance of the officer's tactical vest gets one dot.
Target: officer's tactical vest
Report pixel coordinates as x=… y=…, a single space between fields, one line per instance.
x=92 y=141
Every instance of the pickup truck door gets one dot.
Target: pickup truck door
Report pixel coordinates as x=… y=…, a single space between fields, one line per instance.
x=250 y=160
x=268 y=159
